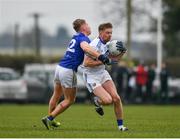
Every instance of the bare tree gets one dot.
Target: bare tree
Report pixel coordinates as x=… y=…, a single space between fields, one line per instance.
x=137 y=16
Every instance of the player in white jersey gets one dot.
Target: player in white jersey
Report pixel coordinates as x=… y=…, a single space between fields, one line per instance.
x=98 y=80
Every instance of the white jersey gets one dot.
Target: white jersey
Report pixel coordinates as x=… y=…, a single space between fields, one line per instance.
x=101 y=47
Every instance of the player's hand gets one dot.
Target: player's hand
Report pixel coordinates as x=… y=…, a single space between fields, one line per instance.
x=121 y=47
x=104 y=59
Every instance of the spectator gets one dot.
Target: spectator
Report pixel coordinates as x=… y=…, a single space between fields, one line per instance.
x=164 y=75
x=121 y=78
x=141 y=81
x=151 y=78
x=130 y=84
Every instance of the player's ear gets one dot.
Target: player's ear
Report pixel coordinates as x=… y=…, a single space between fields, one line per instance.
x=100 y=32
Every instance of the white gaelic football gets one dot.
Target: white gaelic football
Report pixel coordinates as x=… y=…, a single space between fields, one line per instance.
x=112 y=47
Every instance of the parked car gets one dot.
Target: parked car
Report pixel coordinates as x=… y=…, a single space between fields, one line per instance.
x=40 y=77
x=12 y=86
x=174 y=87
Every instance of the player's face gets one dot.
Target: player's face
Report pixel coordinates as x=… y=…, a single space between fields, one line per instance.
x=86 y=28
x=106 y=34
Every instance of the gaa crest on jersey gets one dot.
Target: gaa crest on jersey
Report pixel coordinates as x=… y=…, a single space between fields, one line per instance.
x=94 y=84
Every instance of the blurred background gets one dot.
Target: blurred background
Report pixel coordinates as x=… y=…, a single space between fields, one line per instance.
x=34 y=35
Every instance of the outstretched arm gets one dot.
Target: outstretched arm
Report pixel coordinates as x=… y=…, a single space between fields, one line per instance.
x=88 y=49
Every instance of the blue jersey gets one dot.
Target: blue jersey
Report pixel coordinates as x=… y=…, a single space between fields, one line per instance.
x=74 y=55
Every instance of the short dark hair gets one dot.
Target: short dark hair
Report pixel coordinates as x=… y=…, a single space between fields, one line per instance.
x=78 y=23
x=104 y=26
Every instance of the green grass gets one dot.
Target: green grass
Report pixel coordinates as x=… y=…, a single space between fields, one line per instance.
x=81 y=121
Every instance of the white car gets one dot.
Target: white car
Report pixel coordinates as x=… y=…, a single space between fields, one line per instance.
x=12 y=86
x=174 y=86
x=40 y=72
x=40 y=77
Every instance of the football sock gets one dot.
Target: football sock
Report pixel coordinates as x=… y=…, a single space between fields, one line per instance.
x=50 y=118
x=120 y=122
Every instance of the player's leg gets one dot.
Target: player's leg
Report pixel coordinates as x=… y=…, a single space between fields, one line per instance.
x=48 y=121
x=110 y=87
x=66 y=79
x=69 y=98
x=55 y=97
x=54 y=101
x=101 y=96
x=57 y=93
x=118 y=109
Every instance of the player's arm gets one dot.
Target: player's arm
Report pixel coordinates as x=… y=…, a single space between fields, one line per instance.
x=89 y=62
x=93 y=53
x=88 y=49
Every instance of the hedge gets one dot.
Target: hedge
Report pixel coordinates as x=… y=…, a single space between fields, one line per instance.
x=17 y=62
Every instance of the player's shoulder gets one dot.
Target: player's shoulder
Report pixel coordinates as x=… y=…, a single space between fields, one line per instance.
x=81 y=37
x=95 y=42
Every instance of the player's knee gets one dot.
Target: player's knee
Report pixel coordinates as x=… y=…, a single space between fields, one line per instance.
x=107 y=101
x=116 y=99
x=72 y=101
x=52 y=102
x=55 y=98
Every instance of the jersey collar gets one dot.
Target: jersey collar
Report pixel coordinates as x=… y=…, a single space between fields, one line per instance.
x=102 y=40
x=80 y=33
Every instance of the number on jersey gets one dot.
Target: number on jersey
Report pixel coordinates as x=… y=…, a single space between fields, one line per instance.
x=71 y=46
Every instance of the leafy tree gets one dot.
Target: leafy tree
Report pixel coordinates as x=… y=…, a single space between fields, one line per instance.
x=171 y=27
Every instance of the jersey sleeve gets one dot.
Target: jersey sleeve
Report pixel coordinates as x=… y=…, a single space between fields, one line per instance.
x=82 y=39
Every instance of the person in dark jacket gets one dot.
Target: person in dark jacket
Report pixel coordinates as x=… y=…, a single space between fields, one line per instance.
x=121 y=78
x=151 y=78
x=164 y=75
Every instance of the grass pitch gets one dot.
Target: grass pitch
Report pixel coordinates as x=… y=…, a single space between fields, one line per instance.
x=81 y=121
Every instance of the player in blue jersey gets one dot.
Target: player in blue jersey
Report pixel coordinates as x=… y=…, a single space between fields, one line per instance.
x=98 y=80
x=65 y=74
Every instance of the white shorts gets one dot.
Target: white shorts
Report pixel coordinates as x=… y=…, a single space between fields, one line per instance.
x=66 y=77
x=94 y=80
